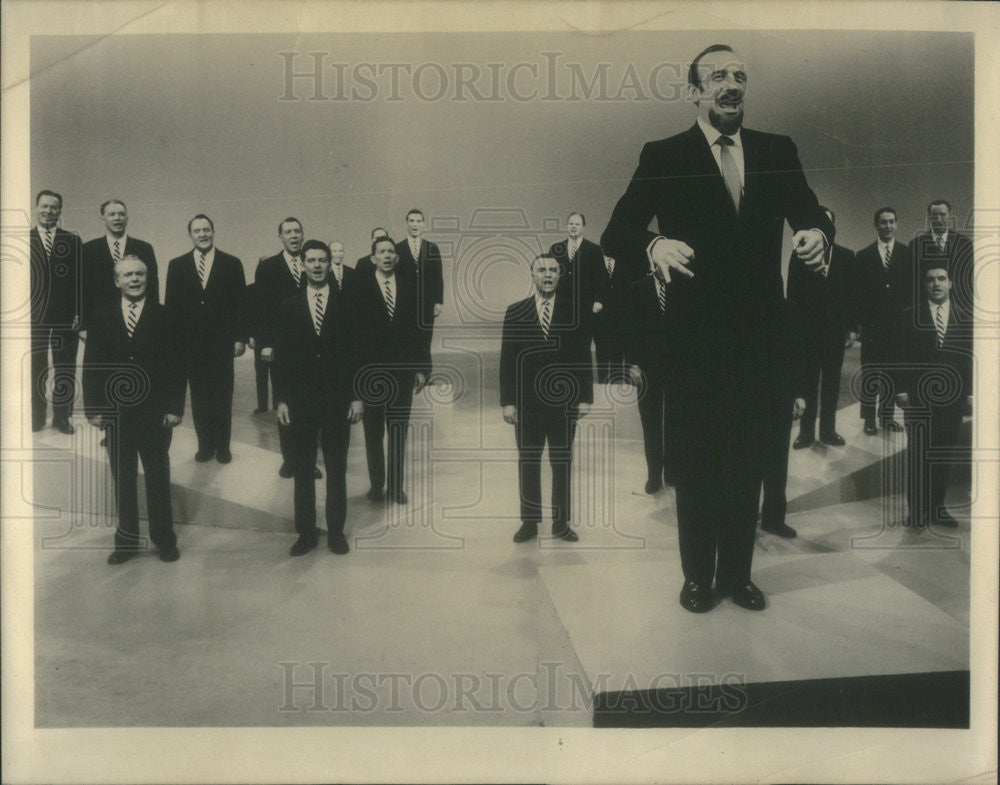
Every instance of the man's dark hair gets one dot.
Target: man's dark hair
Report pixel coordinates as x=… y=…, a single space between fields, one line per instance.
x=414 y=211
x=541 y=256
x=202 y=216
x=104 y=206
x=315 y=245
x=582 y=218
x=289 y=220
x=945 y=202
x=693 y=79
x=386 y=239
x=879 y=211
x=379 y=229
x=48 y=193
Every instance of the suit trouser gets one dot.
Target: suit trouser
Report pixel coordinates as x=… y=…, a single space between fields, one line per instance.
x=427 y=328
x=825 y=357
x=777 y=432
x=929 y=432
x=391 y=414
x=537 y=425
x=212 y=404
x=131 y=437
x=64 y=344
x=261 y=370
x=652 y=402
x=875 y=351
x=334 y=431
x=610 y=350
x=718 y=490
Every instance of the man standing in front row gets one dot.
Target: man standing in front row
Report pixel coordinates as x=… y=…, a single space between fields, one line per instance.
x=885 y=290
x=315 y=361
x=546 y=384
x=721 y=195
x=206 y=291
x=936 y=343
x=133 y=388
x=420 y=259
x=394 y=366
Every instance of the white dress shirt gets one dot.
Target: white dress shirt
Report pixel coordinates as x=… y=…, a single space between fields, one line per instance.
x=138 y=311
x=111 y=243
x=382 y=279
x=884 y=248
x=209 y=259
x=313 y=293
x=712 y=135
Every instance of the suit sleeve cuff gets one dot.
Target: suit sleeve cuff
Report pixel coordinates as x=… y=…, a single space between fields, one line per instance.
x=649 y=248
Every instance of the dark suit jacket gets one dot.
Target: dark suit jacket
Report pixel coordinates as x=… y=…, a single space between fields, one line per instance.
x=543 y=374
x=826 y=305
x=55 y=282
x=585 y=278
x=275 y=284
x=430 y=280
x=395 y=344
x=98 y=286
x=350 y=275
x=313 y=371
x=919 y=354
x=957 y=256
x=737 y=263
x=365 y=265
x=882 y=295
x=141 y=375
x=212 y=319
x=647 y=329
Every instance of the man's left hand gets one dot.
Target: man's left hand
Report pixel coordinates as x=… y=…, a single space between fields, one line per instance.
x=438 y=307
x=851 y=338
x=239 y=348
x=809 y=245
x=798 y=408
x=357 y=409
x=418 y=383
x=583 y=409
x=171 y=420
x=598 y=307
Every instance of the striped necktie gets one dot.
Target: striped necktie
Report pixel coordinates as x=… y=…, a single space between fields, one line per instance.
x=297 y=270
x=390 y=305
x=661 y=292
x=609 y=265
x=132 y=319
x=338 y=276
x=118 y=251
x=318 y=312
x=730 y=172
x=940 y=325
x=546 y=317
x=888 y=256
x=201 y=268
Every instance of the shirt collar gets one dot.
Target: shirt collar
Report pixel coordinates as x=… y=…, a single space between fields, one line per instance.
x=313 y=291
x=112 y=239
x=712 y=133
x=209 y=255
x=942 y=236
x=390 y=277
x=539 y=300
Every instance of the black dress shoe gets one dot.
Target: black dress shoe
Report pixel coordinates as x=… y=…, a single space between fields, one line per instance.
x=224 y=456
x=832 y=439
x=170 y=554
x=803 y=441
x=780 y=530
x=120 y=557
x=203 y=456
x=317 y=474
x=652 y=486
x=946 y=521
x=749 y=596
x=64 y=426
x=260 y=410
x=398 y=496
x=566 y=534
x=696 y=597
x=870 y=428
x=375 y=495
x=304 y=544
x=339 y=545
x=893 y=426
x=528 y=531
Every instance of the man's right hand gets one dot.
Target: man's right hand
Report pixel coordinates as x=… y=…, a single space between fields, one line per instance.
x=510 y=415
x=903 y=399
x=283 y=417
x=96 y=420
x=252 y=343
x=670 y=255
x=266 y=352
x=635 y=374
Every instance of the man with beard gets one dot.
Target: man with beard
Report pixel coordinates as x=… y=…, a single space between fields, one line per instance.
x=721 y=195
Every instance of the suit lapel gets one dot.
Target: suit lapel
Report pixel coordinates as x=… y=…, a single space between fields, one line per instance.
x=751 y=168
x=714 y=186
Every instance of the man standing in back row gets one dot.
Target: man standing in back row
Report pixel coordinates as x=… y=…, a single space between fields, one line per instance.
x=206 y=292
x=420 y=260
x=721 y=195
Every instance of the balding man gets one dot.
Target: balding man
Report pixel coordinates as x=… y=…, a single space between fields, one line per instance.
x=133 y=386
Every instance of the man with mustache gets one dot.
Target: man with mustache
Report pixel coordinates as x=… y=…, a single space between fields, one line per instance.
x=721 y=195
